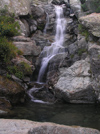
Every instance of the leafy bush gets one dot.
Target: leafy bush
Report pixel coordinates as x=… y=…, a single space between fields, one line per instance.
x=8 y=26
x=20 y=70
x=25 y=68
x=84 y=7
x=16 y=71
x=7 y=50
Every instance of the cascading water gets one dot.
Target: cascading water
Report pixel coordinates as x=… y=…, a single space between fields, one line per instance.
x=52 y=50
x=47 y=23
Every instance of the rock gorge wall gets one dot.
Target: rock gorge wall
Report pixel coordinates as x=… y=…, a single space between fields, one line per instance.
x=73 y=76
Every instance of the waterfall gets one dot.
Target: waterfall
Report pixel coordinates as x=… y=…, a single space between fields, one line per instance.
x=47 y=23
x=52 y=50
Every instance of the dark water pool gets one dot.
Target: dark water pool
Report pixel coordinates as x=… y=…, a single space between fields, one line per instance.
x=67 y=114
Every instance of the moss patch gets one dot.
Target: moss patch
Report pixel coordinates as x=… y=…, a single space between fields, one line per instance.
x=83 y=31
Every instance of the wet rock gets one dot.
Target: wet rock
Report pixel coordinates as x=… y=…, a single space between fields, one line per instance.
x=59 y=2
x=50 y=11
x=42 y=40
x=30 y=127
x=74 y=84
x=58 y=61
x=4 y=104
x=45 y=95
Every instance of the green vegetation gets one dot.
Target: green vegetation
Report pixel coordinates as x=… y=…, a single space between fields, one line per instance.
x=72 y=56
x=16 y=71
x=93 y=5
x=20 y=70
x=9 y=28
x=7 y=50
x=84 y=7
x=81 y=51
x=83 y=31
x=96 y=4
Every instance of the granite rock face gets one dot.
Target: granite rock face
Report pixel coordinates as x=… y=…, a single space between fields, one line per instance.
x=92 y=23
x=76 y=6
x=17 y=7
x=74 y=84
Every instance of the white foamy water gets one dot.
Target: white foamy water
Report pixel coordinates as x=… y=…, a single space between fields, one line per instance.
x=52 y=50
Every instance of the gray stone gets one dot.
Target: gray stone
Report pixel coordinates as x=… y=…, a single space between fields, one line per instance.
x=76 y=6
x=72 y=48
x=74 y=84
x=17 y=7
x=23 y=30
x=28 y=48
x=8 y=126
x=3 y=112
x=92 y=23
x=82 y=42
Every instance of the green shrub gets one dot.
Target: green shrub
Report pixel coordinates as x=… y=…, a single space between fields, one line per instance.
x=16 y=71
x=25 y=68
x=8 y=26
x=20 y=70
x=84 y=7
x=81 y=51
x=7 y=50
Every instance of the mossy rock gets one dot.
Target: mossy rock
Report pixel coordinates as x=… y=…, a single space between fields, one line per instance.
x=11 y=90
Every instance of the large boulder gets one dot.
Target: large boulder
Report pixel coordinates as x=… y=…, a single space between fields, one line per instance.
x=8 y=126
x=74 y=84
x=92 y=23
x=27 y=46
x=19 y=8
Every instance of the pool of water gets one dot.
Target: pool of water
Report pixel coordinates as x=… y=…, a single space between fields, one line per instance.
x=67 y=114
